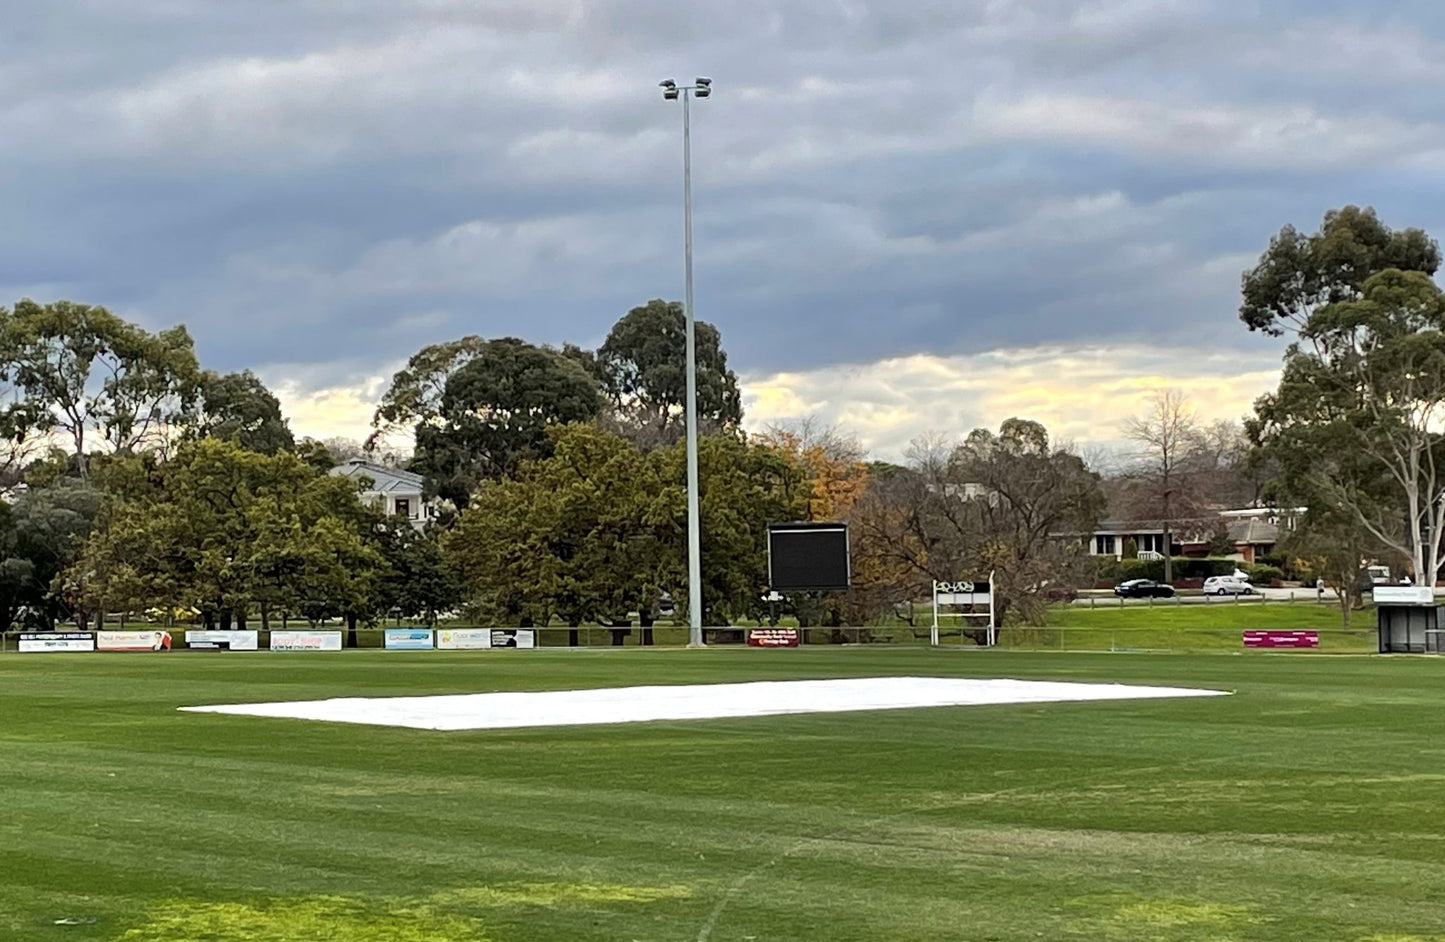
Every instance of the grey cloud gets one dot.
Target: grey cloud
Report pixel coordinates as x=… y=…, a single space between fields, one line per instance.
x=323 y=188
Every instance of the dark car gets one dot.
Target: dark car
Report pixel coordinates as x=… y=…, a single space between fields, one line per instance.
x=1143 y=589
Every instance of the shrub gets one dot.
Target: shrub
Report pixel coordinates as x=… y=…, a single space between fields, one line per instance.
x=1263 y=575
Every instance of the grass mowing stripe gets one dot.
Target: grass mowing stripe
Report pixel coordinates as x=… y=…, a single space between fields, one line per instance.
x=1302 y=807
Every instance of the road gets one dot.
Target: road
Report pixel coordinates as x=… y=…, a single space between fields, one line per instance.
x=1260 y=596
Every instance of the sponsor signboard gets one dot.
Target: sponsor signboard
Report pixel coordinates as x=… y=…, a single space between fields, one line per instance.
x=408 y=639
x=224 y=640
x=305 y=641
x=514 y=638
x=1403 y=595
x=464 y=639
x=772 y=637
x=66 y=641
x=1281 y=639
x=155 y=640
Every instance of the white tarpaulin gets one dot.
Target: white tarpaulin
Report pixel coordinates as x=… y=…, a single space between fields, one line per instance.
x=696 y=702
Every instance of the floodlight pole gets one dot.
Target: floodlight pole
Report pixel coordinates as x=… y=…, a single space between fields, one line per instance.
x=703 y=87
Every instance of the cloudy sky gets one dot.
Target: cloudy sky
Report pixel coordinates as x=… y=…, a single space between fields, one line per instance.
x=910 y=216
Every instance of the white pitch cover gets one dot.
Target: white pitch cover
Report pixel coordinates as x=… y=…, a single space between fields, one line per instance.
x=688 y=702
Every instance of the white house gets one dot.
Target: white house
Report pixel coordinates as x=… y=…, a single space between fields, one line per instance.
x=396 y=492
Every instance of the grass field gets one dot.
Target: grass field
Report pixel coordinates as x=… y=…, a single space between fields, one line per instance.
x=1211 y=627
x=1310 y=805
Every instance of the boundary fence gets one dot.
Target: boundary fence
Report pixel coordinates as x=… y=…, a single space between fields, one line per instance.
x=1356 y=640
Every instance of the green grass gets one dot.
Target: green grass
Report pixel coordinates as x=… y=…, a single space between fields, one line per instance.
x=1197 y=627
x=1308 y=806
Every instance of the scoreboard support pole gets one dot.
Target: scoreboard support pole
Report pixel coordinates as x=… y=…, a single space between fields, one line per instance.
x=947 y=595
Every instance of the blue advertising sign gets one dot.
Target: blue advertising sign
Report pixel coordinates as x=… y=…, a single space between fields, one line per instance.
x=409 y=639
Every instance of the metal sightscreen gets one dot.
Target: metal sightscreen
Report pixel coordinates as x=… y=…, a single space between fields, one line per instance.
x=808 y=557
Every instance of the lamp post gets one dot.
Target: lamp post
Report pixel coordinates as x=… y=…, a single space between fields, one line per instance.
x=671 y=91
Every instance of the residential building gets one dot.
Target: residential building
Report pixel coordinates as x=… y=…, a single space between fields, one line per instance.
x=397 y=492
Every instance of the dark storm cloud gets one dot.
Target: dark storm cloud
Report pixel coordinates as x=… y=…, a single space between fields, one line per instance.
x=330 y=186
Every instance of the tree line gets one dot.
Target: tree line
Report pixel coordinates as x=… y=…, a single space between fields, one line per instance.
x=139 y=480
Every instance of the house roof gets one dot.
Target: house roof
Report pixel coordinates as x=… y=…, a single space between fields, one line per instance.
x=384 y=479
x=1253 y=531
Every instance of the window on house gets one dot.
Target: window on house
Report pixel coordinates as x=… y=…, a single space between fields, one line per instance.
x=1151 y=542
x=1104 y=545
x=403 y=507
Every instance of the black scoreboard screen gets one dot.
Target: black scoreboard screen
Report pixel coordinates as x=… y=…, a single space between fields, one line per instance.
x=806 y=557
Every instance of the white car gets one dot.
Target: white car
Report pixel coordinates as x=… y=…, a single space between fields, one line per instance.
x=1227 y=585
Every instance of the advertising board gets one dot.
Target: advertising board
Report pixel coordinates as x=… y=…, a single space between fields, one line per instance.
x=155 y=640
x=514 y=638
x=408 y=639
x=56 y=641
x=305 y=641
x=772 y=637
x=464 y=639
x=1403 y=595
x=224 y=640
x=1281 y=639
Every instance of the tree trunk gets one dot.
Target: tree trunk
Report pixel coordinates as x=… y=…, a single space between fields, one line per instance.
x=265 y=616
x=226 y=620
x=572 y=638
x=351 y=631
x=241 y=618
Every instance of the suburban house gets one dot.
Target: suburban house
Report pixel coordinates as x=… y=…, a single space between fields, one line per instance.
x=395 y=491
x=1254 y=531
x=1110 y=537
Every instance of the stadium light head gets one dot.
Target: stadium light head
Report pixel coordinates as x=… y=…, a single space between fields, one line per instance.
x=702 y=87
x=669 y=89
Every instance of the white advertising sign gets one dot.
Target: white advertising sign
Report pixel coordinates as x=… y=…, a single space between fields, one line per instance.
x=133 y=640
x=224 y=640
x=514 y=638
x=1404 y=595
x=305 y=641
x=463 y=639
x=56 y=641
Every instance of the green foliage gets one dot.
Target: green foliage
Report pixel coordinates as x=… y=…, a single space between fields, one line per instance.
x=414 y=397
x=1298 y=274
x=40 y=537
x=598 y=529
x=1262 y=575
x=238 y=407
x=494 y=413
x=81 y=371
x=1131 y=549
x=641 y=365
x=1352 y=431
x=1185 y=567
x=418 y=582
x=581 y=534
x=222 y=529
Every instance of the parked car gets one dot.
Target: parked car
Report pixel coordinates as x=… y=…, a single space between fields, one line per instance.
x=1227 y=585
x=1143 y=589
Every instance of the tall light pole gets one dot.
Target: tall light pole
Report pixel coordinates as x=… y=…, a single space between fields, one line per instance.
x=671 y=91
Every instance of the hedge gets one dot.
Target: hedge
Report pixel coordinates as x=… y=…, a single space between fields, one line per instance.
x=1185 y=567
